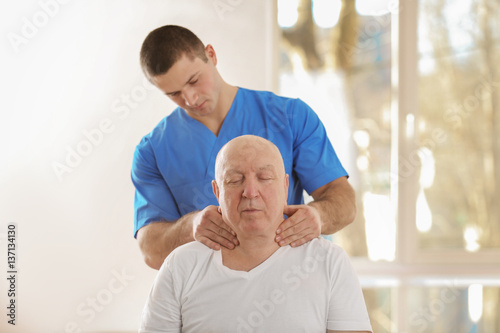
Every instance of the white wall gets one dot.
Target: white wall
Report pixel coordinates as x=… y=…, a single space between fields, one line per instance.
x=70 y=68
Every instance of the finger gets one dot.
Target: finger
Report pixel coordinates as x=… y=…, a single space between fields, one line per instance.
x=216 y=220
x=213 y=245
x=226 y=228
x=212 y=220
x=227 y=240
x=288 y=223
x=296 y=229
x=217 y=235
x=308 y=234
x=223 y=231
x=303 y=240
x=209 y=238
x=292 y=225
x=216 y=230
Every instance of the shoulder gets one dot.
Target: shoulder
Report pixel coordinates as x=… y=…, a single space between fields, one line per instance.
x=272 y=99
x=266 y=96
x=280 y=109
x=191 y=249
x=158 y=133
x=323 y=250
x=158 y=140
x=188 y=255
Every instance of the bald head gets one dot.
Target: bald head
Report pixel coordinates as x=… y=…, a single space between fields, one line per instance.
x=249 y=147
x=251 y=186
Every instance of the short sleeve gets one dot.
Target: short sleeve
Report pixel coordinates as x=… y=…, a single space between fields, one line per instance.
x=315 y=161
x=162 y=312
x=153 y=199
x=347 y=308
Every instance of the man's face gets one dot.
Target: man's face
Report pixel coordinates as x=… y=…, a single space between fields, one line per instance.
x=192 y=84
x=252 y=189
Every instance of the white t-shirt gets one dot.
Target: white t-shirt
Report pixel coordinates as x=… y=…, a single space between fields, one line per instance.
x=310 y=288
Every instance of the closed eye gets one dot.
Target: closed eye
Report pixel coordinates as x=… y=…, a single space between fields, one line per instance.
x=234 y=181
x=266 y=176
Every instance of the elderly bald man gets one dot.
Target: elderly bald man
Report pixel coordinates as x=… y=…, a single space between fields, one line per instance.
x=258 y=286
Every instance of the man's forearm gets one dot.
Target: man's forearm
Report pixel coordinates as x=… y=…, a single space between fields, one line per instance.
x=336 y=205
x=158 y=239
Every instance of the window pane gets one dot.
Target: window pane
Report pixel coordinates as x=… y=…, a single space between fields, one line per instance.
x=451 y=309
x=379 y=305
x=459 y=124
x=340 y=65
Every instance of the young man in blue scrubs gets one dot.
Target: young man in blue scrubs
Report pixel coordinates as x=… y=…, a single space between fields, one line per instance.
x=173 y=165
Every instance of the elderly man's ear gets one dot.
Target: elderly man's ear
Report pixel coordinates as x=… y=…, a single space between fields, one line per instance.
x=215 y=188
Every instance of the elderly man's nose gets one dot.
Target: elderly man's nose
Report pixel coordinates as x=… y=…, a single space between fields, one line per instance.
x=250 y=189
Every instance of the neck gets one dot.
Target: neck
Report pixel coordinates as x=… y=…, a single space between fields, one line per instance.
x=226 y=98
x=250 y=253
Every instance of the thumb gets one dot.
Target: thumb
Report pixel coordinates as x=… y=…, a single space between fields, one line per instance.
x=289 y=210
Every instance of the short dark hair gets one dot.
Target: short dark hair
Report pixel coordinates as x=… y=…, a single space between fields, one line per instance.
x=165 y=45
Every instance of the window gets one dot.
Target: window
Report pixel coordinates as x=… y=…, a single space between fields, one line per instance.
x=458 y=125
x=410 y=96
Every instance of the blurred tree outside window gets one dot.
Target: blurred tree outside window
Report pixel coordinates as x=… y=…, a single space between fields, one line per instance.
x=336 y=55
x=342 y=68
x=459 y=124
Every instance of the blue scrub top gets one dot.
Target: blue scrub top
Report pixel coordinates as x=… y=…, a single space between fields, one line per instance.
x=174 y=165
